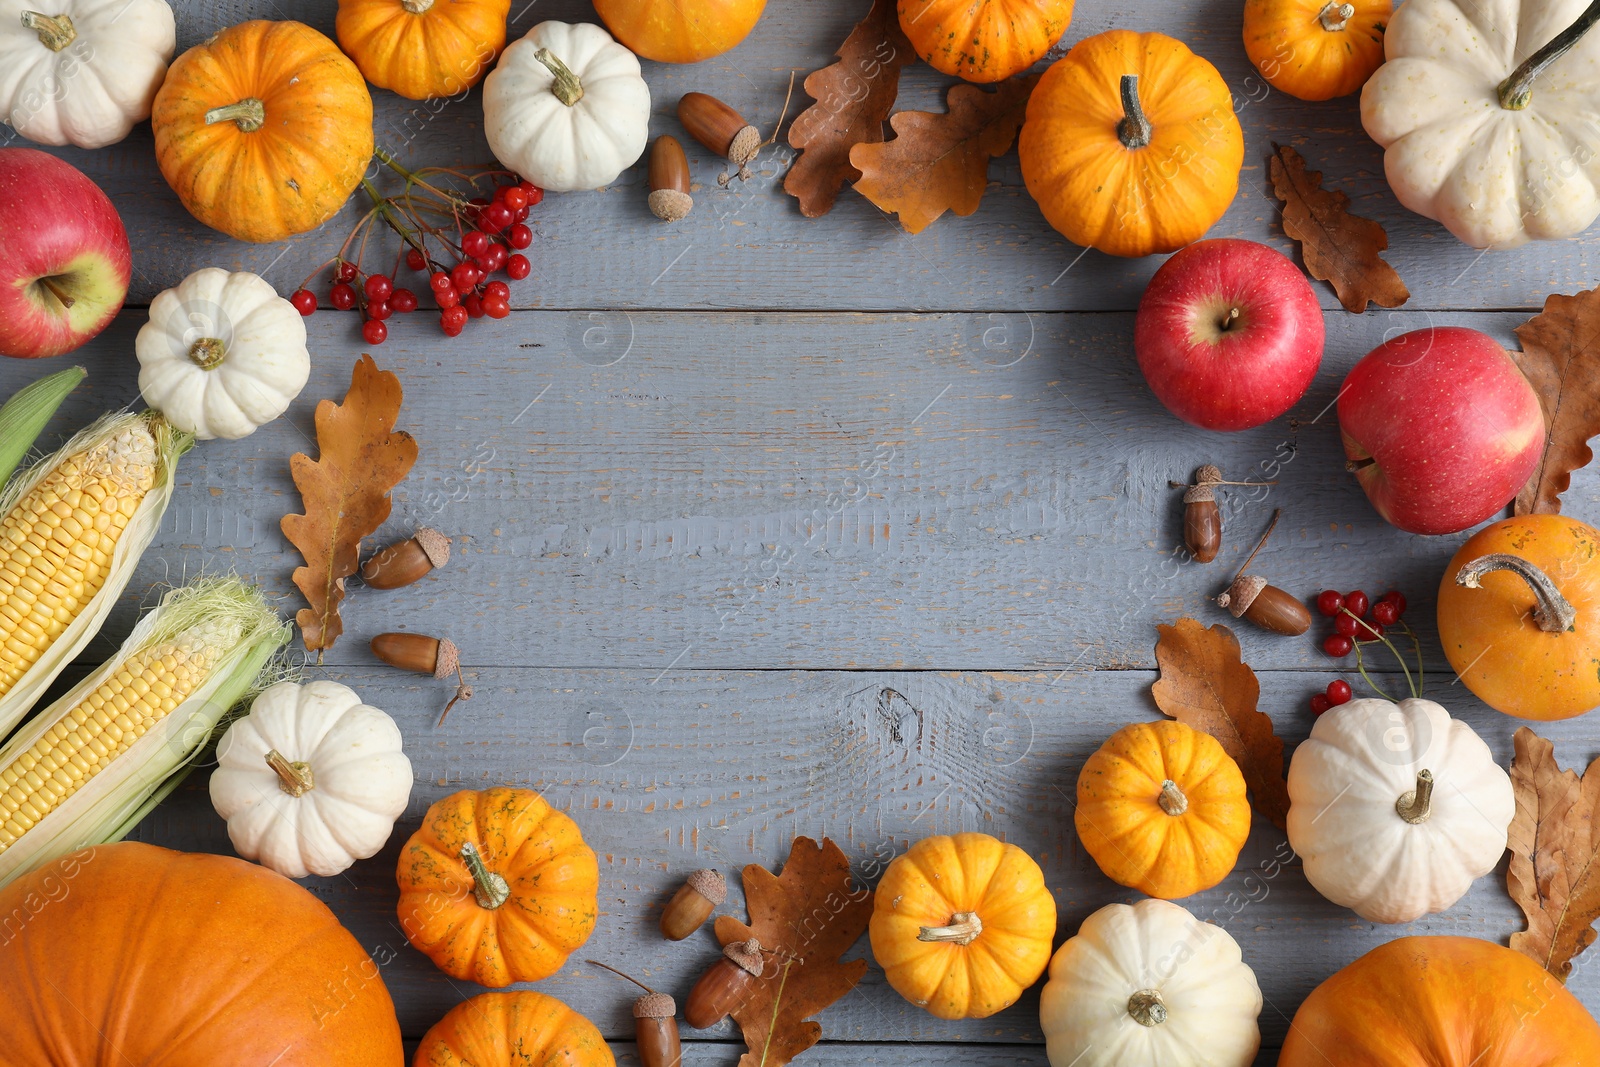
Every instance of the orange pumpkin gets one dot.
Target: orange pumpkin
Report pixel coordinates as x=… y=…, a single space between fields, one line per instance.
x=680 y=31
x=1131 y=145
x=497 y=887
x=983 y=40
x=423 y=48
x=1316 y=49
x=129 y=953
x=263 y=130
x=1441 y=1002
x=1519 y=616
x=511 y=1030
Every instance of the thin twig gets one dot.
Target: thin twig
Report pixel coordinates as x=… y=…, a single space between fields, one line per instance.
x=1270 y=527
x=781 y=115
x=619 y=974
x=1362 y=670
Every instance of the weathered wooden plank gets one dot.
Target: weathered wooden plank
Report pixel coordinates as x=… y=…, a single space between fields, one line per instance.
x=694 y=768
x=748 y=247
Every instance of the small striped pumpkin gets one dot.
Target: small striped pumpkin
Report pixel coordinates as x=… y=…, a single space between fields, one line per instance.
x=984 y=40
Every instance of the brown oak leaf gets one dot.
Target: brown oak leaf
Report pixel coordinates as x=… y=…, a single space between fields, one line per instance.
x=345 y=493
x=1338 y=247
x=805 y=918
x=1561 y=359
x=853 y=97
x=1554 y=839
x=1205 y=684
x=941 y=162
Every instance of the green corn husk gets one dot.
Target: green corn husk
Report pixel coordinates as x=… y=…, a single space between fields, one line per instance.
x=225 y=613
x=24 y=416
x=170 y=444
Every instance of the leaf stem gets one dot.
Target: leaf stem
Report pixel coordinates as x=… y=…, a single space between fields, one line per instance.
x=776 y=1002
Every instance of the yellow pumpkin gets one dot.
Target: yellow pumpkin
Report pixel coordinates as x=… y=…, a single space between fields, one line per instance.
x=1162 y=809
x=423 y=48
x=1519 y=616
x=1131 y=145
x=1316 y=49
x=680 y=31
x=962 y=925
x=513 y=1030
x=263 y=130
x=983 y=40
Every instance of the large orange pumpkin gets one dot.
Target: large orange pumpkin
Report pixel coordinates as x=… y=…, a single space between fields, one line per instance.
x=497 y=887
x=680 y=31
x=513 y=1030
x=129 y=953
x=983 y=40
x=1441 y=1002
x=263 y=130
x=1316 y=49
x=1131 y=145
x=423 y=48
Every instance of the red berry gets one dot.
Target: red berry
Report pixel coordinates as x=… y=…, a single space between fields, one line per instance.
x=342 y=296
x=415 y=260
x=519 y=236
x=474 y=305
x=1320 y=703
x=475 y=243
x=453 y=319
x=1329 y=602
x=1338 y=692
x=535 y=194
x=378 y=287
x=440 y=281
x=495 y=218
x=447 y=298
x=345 y=271
x=1337 y=645
x=513 y=197
x=497 y=290
x=1357 y=602
x=376 y=331
x=1346 y=624
x=403 y=301
x=304 y=301
x=1395 y=597
x=1385 y=613
x=520 y=215
x=496 y=309
x=379 y=309
x=1370 y=631
x=464 y=276
x=518 y=267
x=493 y=259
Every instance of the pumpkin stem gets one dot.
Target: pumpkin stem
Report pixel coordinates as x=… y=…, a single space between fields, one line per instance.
x=293 y=778
x=55 y=31
x=1517 y=91
x=964 y=928
x=567 y=88
x=1335 y=15
x=1552 y=612
x=490 y=888
x=207 y=353
x=1171 y=798
x=416 y=7
x=1134 y=129
x=250 y=114
x=1147 y=1008
x=1414 y=804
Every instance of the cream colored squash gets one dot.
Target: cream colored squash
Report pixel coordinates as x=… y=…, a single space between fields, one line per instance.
x=1395 y=809
x=566 y=107
x=222 y=354
x=1150 y=985
x=311 y=780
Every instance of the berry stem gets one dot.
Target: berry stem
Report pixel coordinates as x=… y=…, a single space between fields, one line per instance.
x=1361 y=669
x=413 y=177
x=1373 y=634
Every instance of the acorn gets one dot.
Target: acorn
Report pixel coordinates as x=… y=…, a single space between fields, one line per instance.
x=721 y=988
x=721 y=129
x=693 y=904
x=669 y=180
x=437 y=656
x=407 y=561
x=655 y=1024
x=1265 y=605
x=1202 y=519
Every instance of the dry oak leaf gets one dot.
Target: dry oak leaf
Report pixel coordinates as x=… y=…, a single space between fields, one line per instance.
x=941 y=162
x=1561 y=359
x=1554 y=839
x=1205 y=685
x=345 y=493
x=1337 y=247
x=853 y=97
x=806 y=918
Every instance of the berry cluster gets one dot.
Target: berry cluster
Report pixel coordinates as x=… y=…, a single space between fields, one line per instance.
x=1356 y=618
x=1338 y=693
x=479 y=237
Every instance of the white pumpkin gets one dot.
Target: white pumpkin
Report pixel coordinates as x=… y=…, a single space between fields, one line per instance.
x=1395 y=809
x=82 y=72
x=1495 y=175
x=566 y=107
x=1150 y=985
x=222 y=354
x=311 y=780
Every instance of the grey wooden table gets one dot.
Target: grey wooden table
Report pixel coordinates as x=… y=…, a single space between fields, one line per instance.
x=772 y=526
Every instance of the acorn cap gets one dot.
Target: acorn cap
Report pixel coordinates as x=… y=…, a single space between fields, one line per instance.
x=449 y=659
x=435 y=545
x=1242 y=593
x=709 y=884
x=1209 y=474
x=1199 y=493
x=746 y=954
x=655 y=1006
x=744 y=146
x=670 y=205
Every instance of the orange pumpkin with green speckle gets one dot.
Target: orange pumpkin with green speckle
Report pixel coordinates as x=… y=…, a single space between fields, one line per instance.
x=497 y=887
x=506 y=1029
x=983 y=40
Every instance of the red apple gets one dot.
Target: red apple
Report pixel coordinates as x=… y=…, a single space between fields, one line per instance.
x=1229 y=334
x=64 y=259
x=1441 y=428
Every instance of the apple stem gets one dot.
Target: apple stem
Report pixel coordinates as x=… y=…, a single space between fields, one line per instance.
x=1359 y=464
x=57 y=292
x=1229 y=319
x=55 y=31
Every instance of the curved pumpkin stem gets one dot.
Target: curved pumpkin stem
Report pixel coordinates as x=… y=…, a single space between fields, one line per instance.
x=249 y=114
x=1414 y=806
x=964 y=928
x=490 y=888
x=567 y=88
x=1147 y=1008
x=1171 y=798
x=416 y=7
x=1134 y=130
x=293 y=778
x=1552 y=612
x=55 y=31
x=1516 y=92
x=1335 y=15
